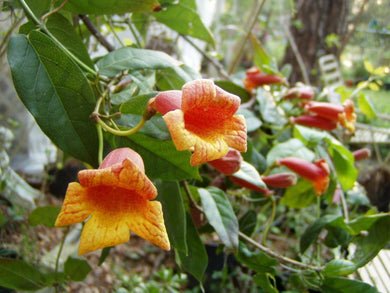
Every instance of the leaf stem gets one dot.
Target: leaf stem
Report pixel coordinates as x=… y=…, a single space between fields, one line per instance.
x=55 y=10
x=101 y=143
x=59 y=254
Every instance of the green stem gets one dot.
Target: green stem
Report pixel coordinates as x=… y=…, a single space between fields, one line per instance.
x=271 y=219
x=101 y=143
x=58 y=43
x=131 y=131
x=59 y=254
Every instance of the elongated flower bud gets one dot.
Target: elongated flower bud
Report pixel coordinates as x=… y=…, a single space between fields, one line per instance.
x=228 y=164
x=254 y=79
x=362 y=154
x=246 y=184
x=281 y=180
x=168 y=101
x=317 y=173
x=314 y=121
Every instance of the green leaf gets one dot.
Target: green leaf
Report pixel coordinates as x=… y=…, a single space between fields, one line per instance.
x=136 y=105
x=195 y=262
x=344 y=285
x=128 y=58
x=111 y=7
x=253 y=157
x=268 y=109
x=308 y=135
x=76 y=269
x=235 y=89
x=44 y=216
x=247 y=223
x=365 y=105
x=363 y=223
x=257 y=261
x=290 y=148
x=249 y=173
x=174 y=214
x=266 y=282
x=299 y=196
x=161 y=159
x=220 y=214
x=174 y=79
x=103 y=255
x=38 y=7
x=64 y=32
x=339 y=267
x=185 y=20
x=343 y=162
x=252 y=122
x=20 y=275
x=56 y=92
x=368 y=246
x=261 y=57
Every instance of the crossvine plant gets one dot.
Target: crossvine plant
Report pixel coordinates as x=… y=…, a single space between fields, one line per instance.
x=179 y=158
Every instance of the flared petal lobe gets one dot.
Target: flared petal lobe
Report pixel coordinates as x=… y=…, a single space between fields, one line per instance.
x=116 y=199
x=205 y=123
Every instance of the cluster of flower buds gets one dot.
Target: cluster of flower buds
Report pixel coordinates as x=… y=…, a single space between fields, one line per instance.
x=255 y=78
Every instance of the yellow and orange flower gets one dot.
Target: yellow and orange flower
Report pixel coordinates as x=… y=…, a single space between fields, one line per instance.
x=114 y=199
x=317 y=172
x=201 y=119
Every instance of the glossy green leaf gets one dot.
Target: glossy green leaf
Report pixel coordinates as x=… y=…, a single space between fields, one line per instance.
x=136 y=105
x=363 y=223
x=220 y=215
x=128 y=58
x=343 y=162
x=252 y=122
x=247 y=223
x=44 y=216
x=266 y=282
x=253 y=157
x=344 y=285
x=65 y=33
x=366 y=106
x=20 y=275
x=169 y=195
x=56 y=92
x=184 y=19
x=299 y=196
x=339 y=267
x=235 y=89
x=76 y=269
x=312 y=232
x=196 y=260
x=290 y=148
x=309 y=135
x=268 y=109
x=249 y=174
x=368 y=246
x=257 y=261
x=336 y=236
x=111 y=7
x=159 y=155
x=38 y=7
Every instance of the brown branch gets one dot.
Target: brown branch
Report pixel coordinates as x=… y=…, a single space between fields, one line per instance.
x=96 y=33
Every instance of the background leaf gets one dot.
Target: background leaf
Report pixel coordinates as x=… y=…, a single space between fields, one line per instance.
x=44 y=215
x=221 y=216
x=290 y=148
x=339 y=267
x=174 y=214
x=20 y=275
x=76 y=269
x=110 y=7
x=56 y=92
x=257 y=261
x=344 y=285
x=299 y=196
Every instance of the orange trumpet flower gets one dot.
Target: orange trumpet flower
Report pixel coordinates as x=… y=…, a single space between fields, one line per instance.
x=317 y=173
x=203 y=120
x=114 y=199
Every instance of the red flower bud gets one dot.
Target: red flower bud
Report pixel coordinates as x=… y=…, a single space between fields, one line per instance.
x=228 y=164
x=119 y=155
x=362 y=154
x=304 y=93
x=246 y=184
x=281 y=180
x=168 y=101
x=317 y=173
x=254 y=79
x=314 y=121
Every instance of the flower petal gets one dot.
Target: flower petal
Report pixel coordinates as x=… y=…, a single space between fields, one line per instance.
x=124 y=175
x=146 y=220
x=182 y=138
x=74 y=210
x=235 y=133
